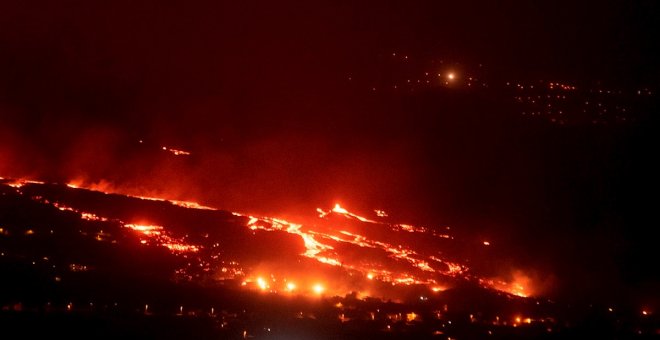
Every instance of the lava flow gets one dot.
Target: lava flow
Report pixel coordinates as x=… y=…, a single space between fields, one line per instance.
x=341 y=252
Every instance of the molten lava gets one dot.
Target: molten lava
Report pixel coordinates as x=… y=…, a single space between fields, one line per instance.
x=367 y=253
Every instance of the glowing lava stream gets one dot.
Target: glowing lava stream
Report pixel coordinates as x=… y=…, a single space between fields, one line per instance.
x=339 y=210
x=316 y=246
x=313 y=247
x=321 y=252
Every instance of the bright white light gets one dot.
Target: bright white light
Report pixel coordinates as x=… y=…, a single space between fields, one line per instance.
x=262 y=283
x=318 y=288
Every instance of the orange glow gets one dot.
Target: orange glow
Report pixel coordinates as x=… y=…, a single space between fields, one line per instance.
x=157 y=234
x=520 y=286
x=105 y=188
x=341 y=211
x=407 y=227
x=397 y=259
x=381 y=213
x=338 y=209
x=318 y=288
x=145 y=229
x=191 y=205
x=92 y=217
x=262 y=284
x=74 y=184
x=21 y=182
x=180 y=248
x=176 y=152
x=411 y=317
x=317 y=248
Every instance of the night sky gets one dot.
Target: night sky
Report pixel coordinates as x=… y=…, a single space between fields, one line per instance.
x=273 y=102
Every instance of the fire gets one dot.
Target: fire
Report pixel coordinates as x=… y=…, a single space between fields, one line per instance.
x=341 y=211
x=311 y=244
x=262 y=284
x=403 y=263
x=107 y=189
x=519 y=286
x=180 y=248
x=149 y=230
x=317 y=247
x=21 y=182
x=381 y=213
x=157 y=234
x=176 y=152
x=338 y=209
x=290 y=286
x=92 y=217
x=74 y=184
x=318 y=288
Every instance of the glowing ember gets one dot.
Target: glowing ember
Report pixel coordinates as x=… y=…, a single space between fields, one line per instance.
x=180 y=248
x=92 y=217
x=519 y=287
x=176 y=152
x=156 y=234
x=381 y=213
x=149 y=230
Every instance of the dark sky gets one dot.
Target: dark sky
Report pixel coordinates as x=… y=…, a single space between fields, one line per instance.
x=258 y=93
